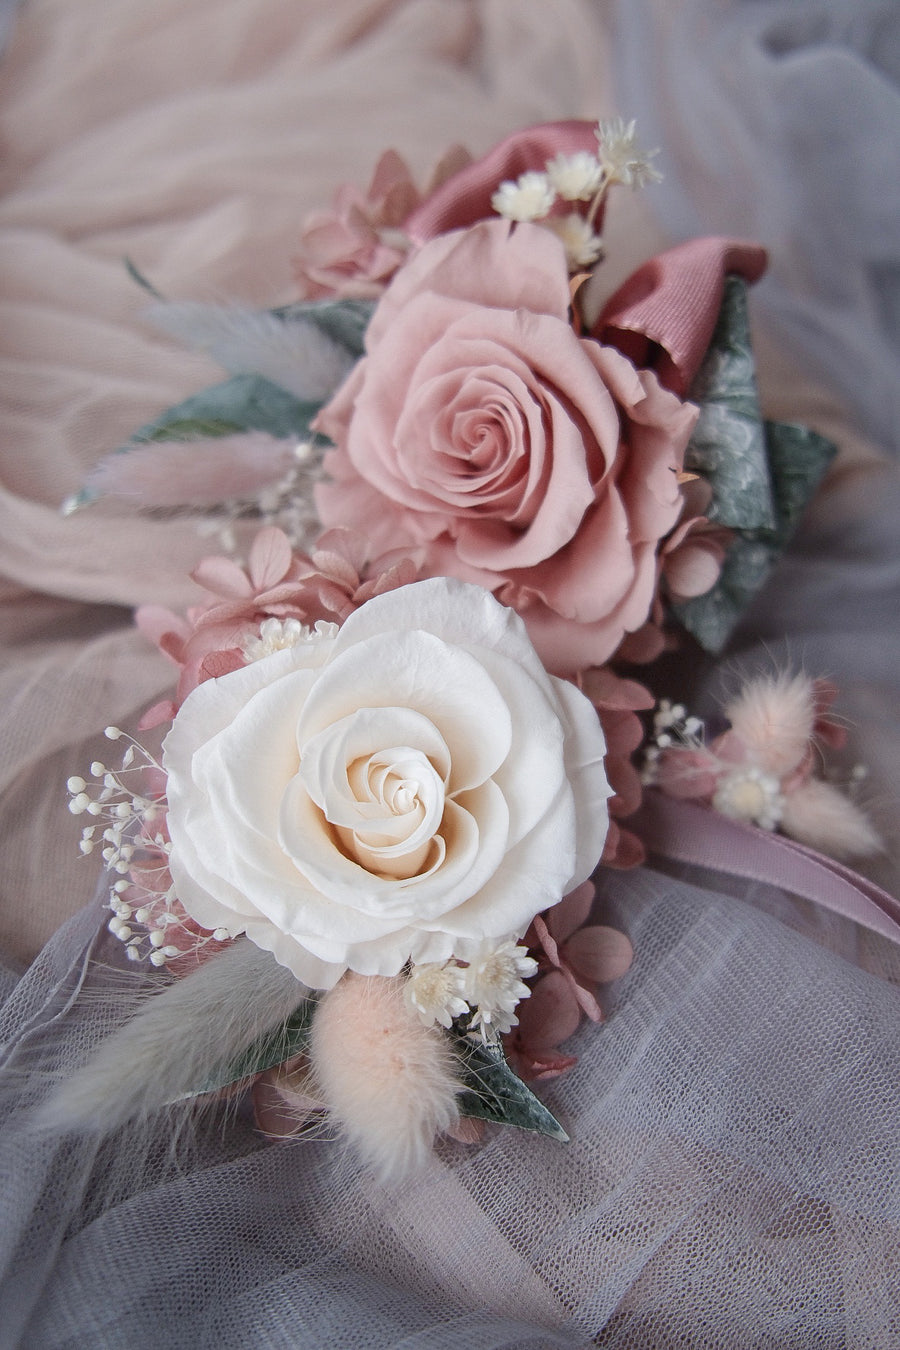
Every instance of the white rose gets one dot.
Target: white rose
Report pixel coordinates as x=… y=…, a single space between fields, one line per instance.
x=408 y=789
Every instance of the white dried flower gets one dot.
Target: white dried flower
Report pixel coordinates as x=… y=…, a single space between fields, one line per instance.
x=583 y=247
x=575 y=177
x=435 y=993
x=622 y=158
x=749 y=793
x=494 y=983
x=276 y=635
x=530 y=197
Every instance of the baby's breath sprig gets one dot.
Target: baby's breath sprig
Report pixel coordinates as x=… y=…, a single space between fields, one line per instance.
x=116 y=807
x=582 y=180
x=135 y=848
x=671 y=726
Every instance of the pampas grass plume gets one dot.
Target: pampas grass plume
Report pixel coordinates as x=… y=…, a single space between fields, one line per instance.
x=775 y=716
x=820 y=816
x=387 y=1079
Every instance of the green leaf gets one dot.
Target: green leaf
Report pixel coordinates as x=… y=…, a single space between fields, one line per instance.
x=493 y=1092
x=728 y=446
x=344 y=321
x=797 y=459
x=273 y=1047
x=243 y=403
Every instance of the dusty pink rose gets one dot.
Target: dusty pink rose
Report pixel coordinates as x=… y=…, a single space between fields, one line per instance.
x=354 y=249
x=483 y=430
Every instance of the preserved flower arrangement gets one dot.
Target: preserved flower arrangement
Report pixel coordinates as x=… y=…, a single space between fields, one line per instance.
x=406 y=729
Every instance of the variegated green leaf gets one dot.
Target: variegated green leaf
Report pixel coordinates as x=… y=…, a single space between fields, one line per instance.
x=274 y=1047
x=493 y=1092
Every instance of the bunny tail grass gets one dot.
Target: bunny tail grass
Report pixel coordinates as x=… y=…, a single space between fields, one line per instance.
x=293 y=353
x=177 y=1039
x=388 y=1080
x=819 y=815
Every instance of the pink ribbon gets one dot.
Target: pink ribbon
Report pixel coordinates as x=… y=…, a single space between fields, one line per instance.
x=466 y=197
x=697 y=835
x=663 y=316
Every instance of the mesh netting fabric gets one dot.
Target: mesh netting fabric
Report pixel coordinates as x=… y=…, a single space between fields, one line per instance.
x=733 y=1175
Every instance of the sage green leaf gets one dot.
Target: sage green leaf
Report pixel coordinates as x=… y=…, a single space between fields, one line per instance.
x=728 y=445
x=270 y=1049
x=493 y=1092
x=243 y=403
x=797 y=459
x=344 y=321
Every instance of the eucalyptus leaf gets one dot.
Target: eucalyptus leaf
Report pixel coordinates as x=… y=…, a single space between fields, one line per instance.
x=344 y=321
x=493 y=1092
x=728 y=446
x=243 y=403
x=797 y=458
x=270 y=1049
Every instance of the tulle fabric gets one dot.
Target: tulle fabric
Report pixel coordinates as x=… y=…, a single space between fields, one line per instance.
x=731 y=1179
x=734 y=1171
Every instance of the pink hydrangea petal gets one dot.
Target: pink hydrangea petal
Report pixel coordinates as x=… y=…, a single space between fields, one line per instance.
x=221 y=663
x=692 y=569
x=280 y=1113
x=222 y=577
x=608 y=690
x=541 y=1068
x=571 y=912
x=550 y=1015
x=155 y=716
x=270 y=557
x=599 y=953
x=624 y=849
x=466 y=1130
x=543 y=937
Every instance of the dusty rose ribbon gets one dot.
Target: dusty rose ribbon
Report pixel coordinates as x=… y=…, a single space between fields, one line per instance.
x=697 y=835
x=664 y=314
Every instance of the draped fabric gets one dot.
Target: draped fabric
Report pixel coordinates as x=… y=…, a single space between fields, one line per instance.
x=733 y=1178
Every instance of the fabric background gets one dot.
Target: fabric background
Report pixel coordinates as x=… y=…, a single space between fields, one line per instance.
x=733 y=1179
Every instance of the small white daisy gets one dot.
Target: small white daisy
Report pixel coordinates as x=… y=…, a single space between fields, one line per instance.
x=583 y=247
x=529 y=198
x=575 y=177
x=435 y=993
x=749 y=793
x=493 y=985
x=621 y=157
x=275 y=635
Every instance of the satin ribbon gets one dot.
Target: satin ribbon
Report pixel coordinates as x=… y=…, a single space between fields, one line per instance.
x=688 y=833
x=664 y=315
